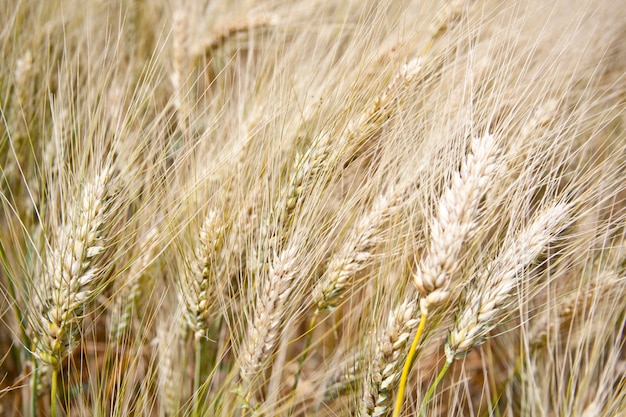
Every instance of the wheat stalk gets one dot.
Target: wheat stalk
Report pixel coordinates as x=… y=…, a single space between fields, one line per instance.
x=453 y=223
x=491 y=289
x=72 y=279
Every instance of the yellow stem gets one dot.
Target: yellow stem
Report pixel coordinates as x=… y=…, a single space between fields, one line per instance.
x=407 y=366
x=53 y=393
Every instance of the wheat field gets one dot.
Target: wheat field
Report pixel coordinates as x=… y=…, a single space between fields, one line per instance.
x=313 y=208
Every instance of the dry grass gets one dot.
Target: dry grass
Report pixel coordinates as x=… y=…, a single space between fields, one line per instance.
x=235 y=208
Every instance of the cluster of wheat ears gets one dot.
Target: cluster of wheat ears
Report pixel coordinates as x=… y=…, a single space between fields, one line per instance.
x=312 y=208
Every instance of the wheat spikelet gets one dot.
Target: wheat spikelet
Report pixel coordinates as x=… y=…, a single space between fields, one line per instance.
x=388 y=360
x=454 y=222
x=487 y=298
x=357 y=251
x=264 y=329
x=72 y=278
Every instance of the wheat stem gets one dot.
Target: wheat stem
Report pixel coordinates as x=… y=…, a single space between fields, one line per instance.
x=456 y=218
x=407 y=366
x=34 y=381
x=433 y=387
x=196 y=377
x=53 y=392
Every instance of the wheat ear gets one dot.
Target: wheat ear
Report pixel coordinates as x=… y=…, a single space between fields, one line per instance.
x=169 y=364
x=264 y=329
x=71 y=279
x=355 y=255
x=571 y=305
x=195 y=290
x=357 y=251
x=223 y=34
x=23 y=74
x=195 y=285
x=344 y=379
x=365 y=126
x=453 y=223
x=491 y=291
x=387 y=366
